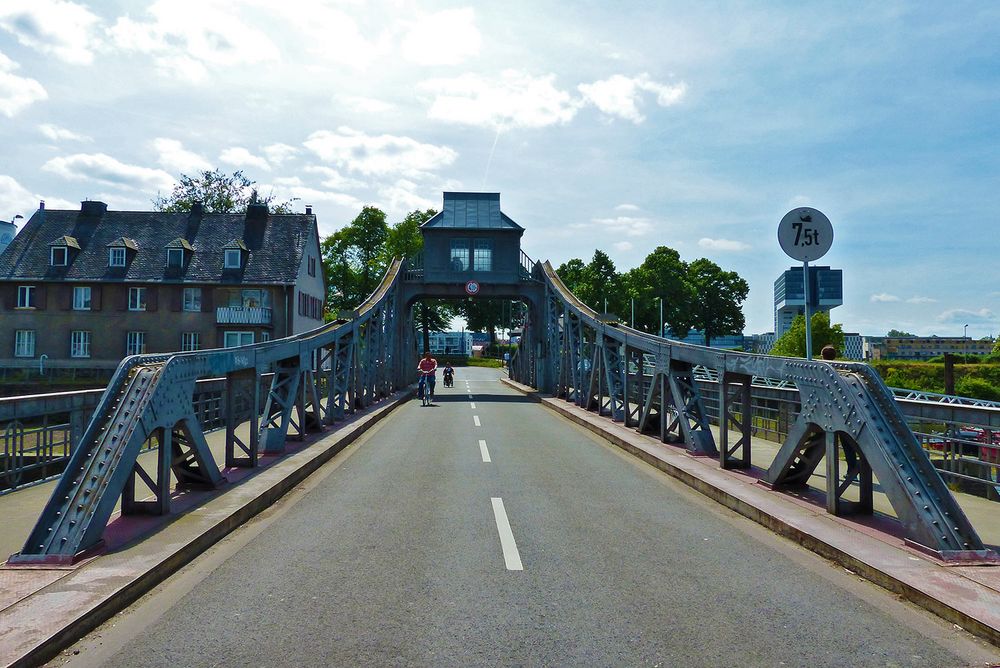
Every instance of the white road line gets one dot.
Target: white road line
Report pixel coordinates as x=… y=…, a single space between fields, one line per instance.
x=475 y=418
x=471 y=397
x=472 y=403
x=484 y=451
x=511 y=557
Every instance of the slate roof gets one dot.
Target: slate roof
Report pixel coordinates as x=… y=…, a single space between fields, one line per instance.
x=472 y=211
x=67 y=241
x=275 y=246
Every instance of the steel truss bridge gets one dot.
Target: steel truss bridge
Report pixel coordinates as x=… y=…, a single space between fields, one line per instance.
x=285 y=388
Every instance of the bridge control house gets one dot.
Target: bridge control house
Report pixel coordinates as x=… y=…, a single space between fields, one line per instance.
x=86 y=288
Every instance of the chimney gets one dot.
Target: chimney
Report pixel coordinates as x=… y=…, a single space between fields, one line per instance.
x=41 y=205
x=255 y=225
x=256 y=212
x=309 y=209
x=97 y=209
x=197 y=209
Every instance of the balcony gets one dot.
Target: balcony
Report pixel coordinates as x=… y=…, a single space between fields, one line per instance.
x=242 y=315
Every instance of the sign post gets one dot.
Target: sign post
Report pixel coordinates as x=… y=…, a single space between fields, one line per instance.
x=805 y=234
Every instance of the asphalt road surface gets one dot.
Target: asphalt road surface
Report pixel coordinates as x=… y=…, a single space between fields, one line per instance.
x=488 y=531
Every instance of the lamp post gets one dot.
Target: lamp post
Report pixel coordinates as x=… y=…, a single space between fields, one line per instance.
x=965 y=335
x=632 y=322
x=661 y=316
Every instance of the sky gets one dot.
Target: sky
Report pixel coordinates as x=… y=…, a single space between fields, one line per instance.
x=620 y=126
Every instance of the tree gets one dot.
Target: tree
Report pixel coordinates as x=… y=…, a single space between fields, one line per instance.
x=718 y=299
x=793 y=342
x=571 y=274
x=218 y=193
x=897 y=334
x=662 y=275
x=404 y=238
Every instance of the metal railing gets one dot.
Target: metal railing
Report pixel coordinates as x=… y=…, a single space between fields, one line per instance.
x=243 y=315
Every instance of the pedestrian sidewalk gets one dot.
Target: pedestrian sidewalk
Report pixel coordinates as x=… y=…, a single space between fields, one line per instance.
x=871 y=547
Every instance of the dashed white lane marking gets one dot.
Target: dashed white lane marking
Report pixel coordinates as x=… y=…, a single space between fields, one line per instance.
x=511 y=557
x=475 y=418
x=484 y=451
x=472 y=403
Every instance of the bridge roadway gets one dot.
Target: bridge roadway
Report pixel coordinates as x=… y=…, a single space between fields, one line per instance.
x=392 y=554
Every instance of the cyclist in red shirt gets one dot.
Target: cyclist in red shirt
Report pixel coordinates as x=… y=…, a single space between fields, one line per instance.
x=427 y=366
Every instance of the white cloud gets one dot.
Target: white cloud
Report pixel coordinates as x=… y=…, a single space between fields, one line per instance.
x=64 y=29
x=921 y=300
x=187 y=37
x=174 y=157
x=103 y=169
x=442 y=38
x=620 y=95
x=278 y=153
x=241 y=157
x=366 y=105
x=334 y=179
x=515 y=100
x=723 y=245
x=380 y=155
x=964 y=316
x=626 y=207
x=401 y=196
x=627 y=225
x=19 y=200
x=16 y=92
x=56 y=133
x=883 y=297
x=332 y=35
x=623 y=246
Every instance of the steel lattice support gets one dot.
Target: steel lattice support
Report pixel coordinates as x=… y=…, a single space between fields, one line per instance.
x=736 y=412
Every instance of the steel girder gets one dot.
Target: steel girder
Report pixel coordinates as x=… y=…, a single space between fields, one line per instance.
x=848 y=417
x=149 y=400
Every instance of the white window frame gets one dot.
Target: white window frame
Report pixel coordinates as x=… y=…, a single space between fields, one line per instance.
x=239 y=336
x=26 y=296
x=482 y=262
x=137 y=299
x=24 y=343
x=65 y=256
x=189 y=304
x=82 y=298
x=190 y=341
x=178 y=251
x=116 y=256
x=265 y=336
x=228 y=261
x=79 y=343
x=135 y=343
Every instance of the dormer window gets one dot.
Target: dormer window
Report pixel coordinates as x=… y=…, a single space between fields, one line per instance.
x=118 y=251
x=116 y=257
x=175 y=258
x=234 y=258
x=60 y=251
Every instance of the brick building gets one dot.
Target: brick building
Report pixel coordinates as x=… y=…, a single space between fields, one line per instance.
x=86 y=288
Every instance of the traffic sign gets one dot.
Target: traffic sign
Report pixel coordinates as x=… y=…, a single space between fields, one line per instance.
x=472 y=288
x=805 y=234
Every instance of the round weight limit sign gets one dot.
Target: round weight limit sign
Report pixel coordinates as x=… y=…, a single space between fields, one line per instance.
x=805 y=234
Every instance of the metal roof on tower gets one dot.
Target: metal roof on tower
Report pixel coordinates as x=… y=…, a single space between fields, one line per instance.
x=472 y=211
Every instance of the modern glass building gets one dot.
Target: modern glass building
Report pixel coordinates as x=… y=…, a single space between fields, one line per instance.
x=826 y=292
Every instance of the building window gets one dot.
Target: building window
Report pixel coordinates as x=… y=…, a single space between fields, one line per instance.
x=265 y=336
x=482 y=259
x=175 y=258
x=79 y=344
x=24 y=343
x=81 y=299
x=137 y=299
x=459 y=255
x=234 y=339
x=234 y=258
x=58 y=256
x=116 y=257
x=192 y=300
x=250 y=298
x=312 y=266
x=26 y=296
x=190 y=341
x=135 y=343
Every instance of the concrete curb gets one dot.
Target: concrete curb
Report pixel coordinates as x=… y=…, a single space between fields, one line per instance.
x=973 y=606
x=70 y=612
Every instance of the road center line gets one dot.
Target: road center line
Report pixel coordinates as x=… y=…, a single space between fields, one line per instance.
x=484 y=451
x=511 y=557
x=472 y=403
x=475 y=418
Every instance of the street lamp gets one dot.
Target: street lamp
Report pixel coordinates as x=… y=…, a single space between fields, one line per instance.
x=661 y=316
x=632 y=324
x=966 y=334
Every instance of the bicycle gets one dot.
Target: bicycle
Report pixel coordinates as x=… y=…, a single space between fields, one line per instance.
x=425 y=389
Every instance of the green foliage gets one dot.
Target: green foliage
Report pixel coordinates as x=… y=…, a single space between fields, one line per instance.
x=218 y=192
x=793 y=342
x=404 y=238
x=978 y=381
x=977 y=388
x=719 y=297
x=485 y=362
x=897 y=334
x=661 y=276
